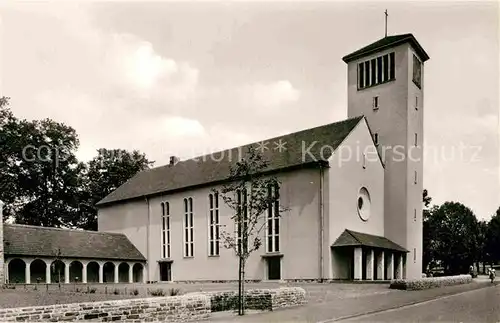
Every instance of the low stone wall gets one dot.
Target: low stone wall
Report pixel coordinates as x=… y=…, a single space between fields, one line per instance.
x=189 y=307
x=430 y=282
x=258 y=299
x=170 y=309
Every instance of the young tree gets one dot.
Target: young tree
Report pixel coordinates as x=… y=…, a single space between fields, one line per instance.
x=249 y=193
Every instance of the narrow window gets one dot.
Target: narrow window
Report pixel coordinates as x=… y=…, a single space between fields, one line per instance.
x=367 y=73
x=188 y=228
x=375 y=102
x=416 y=139
x=392 y=67
x=361 y=76
x=415 y=215
x=364 y=161
x=416 y=102
x=375 y=138
x=273 y=220
x=385 y=76
x=414 y=255
x=379 y=69
x=165 y=229
x=373 y=66
x=415 y=181
x=213 y=226
x=242 y=222
x=417 y=71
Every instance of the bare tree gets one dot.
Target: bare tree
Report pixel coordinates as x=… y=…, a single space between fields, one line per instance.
x=249 y=193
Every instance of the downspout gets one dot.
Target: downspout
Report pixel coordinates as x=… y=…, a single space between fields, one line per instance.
x=148 y=255
x=321 y=223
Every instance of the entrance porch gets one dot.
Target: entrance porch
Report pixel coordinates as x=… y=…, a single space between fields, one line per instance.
x=359 y=256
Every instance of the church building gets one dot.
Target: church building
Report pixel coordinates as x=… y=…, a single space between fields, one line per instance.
x=352 y=190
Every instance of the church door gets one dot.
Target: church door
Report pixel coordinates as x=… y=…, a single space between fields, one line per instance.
x=165 y=271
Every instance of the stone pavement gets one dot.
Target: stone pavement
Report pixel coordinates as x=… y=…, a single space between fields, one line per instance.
x=336 y=308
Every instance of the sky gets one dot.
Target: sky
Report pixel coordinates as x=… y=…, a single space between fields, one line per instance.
x=188 y=78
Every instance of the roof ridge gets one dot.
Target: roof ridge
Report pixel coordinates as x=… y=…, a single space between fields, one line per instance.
x=60 y=229
x=352 y=235
x=201 y=157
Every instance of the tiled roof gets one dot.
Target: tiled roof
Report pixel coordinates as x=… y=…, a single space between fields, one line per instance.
x=387 y=42
x=353 y=238
x=204 y=170
x=27 y=240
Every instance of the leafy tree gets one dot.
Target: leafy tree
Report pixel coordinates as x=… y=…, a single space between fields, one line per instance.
x=102 y=175
x=8 y=177
x=454 y=241
x=39 y=170
x=426 y=198
x=249 y=194
x=492 y=243
x=428 y=234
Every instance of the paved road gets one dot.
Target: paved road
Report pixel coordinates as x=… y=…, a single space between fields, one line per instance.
x=482 y=305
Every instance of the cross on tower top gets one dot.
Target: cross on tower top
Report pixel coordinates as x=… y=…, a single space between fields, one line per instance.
x=386 y=22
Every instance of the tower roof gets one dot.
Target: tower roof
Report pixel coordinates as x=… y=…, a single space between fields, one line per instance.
x=387 y=42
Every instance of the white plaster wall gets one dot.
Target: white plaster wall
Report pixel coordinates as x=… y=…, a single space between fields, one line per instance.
x=299 y=232
x=346 y=178
x=396 y=122
x=129 y=218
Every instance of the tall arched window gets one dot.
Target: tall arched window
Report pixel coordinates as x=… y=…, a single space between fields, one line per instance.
x=213 y=225
x=165 y=229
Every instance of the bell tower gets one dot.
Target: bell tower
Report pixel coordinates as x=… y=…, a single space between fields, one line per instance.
x=386 y=85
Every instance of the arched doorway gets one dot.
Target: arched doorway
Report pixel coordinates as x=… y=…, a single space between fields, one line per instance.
x=138 y=273
x=92 y=272
x=75 y=271
x=109 y=272
x=38 y=271
x=123 y=269
x=17 y=271
x=57 y=271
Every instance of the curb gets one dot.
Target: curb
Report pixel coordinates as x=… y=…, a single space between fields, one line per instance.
x=347 y=317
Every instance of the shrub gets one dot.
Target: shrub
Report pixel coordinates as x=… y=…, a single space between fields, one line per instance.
x=174 y=291
x=157 y=292
x=92 y=290
x=116 y=291
x=134 y=292
x=430 y=282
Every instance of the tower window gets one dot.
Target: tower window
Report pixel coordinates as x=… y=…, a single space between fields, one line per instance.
x=416 y=102
x=375 y=102
x=416 y=139
x=361 y=76
x=392 y=67
x=367 y=74
x=415 y=215
x=377 y=70
x=373 y=67
x=375 y=138
x=415 y=180
x=386 y=68
x=417 y=71
x=414 y=255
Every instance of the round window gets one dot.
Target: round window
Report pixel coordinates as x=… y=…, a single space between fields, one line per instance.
x=364 y=204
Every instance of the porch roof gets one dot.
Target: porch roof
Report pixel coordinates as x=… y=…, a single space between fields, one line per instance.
x=350 y=238
x=34 y=241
